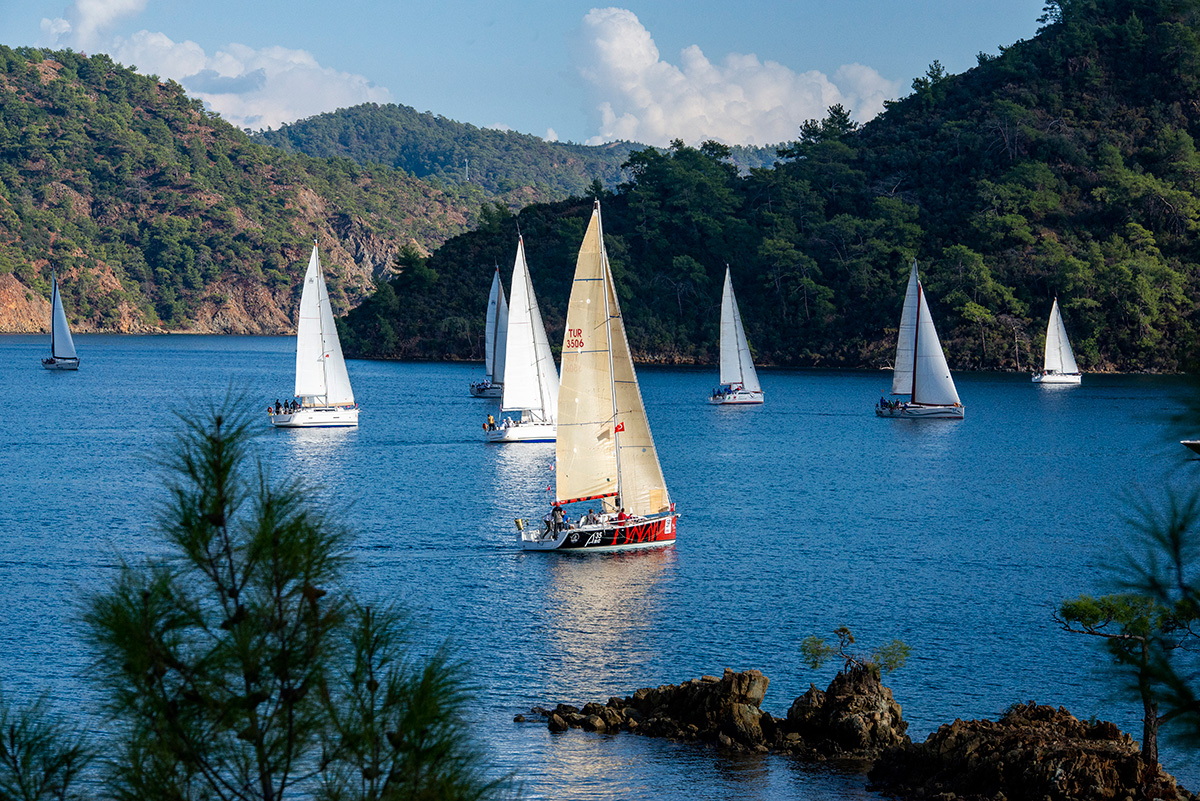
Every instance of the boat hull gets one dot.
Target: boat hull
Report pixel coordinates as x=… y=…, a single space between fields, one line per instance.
x=652 y=532
x=739 y=397
x=912 y=411
x=524 y=432
x=1058 y=378
x=487 y=390
x=56 y=363
x=1191 y=444
x=317 y=417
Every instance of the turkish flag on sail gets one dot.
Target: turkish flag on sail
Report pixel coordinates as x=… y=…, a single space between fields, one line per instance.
x=620 y=427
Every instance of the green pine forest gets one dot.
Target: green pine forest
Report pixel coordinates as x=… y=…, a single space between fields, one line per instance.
x=1065 y=166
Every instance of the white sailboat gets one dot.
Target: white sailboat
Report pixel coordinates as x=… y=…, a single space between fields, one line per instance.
x=920 y=370
x=62 y=346
x=324 y=396
x=605 y=454
x=492 y=385
x=530 y=378
x=739 y=381
x=1059 y=366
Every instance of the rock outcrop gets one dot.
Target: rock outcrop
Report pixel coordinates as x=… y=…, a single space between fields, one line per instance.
x=1034 y=752
x=855 y=718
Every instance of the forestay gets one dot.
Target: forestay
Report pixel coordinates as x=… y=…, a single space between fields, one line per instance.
x=530 y=378
x=902 y=372
x=321 y=377
x=737 y=365
x=1059 y=356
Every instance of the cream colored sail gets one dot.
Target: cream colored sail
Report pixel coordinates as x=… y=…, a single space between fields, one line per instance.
x=604 y=441
x=496 y=333
x=321 y=378
x=62 y=346
x=530 y=378
x=737 y=364
x=1059 y=358
x=932 y=384
x=902 y=372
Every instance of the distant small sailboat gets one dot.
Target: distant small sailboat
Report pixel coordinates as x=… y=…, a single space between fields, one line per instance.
x=739 y=381
x=325 y=399
x=530 y=378
x=920 y=370
x=605 y=451
x=1191 y=444
x=1059 y=366
x=62 y=346
x=492 y=385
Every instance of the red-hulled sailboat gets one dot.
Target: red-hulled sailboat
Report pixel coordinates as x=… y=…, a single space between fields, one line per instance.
x=607 y=470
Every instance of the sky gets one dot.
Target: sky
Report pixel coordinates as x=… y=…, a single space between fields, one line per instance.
x=737 y=71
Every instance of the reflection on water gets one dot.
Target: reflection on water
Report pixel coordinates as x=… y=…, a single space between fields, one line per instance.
x=601 y=611
x=522 y=479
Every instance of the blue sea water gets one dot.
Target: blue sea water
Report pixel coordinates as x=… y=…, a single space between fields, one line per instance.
x=798 y=516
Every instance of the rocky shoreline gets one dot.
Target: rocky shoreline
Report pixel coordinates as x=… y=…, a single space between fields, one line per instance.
x=1032 y=752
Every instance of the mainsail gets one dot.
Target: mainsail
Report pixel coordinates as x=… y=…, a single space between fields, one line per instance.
x=1059 y=356
x=321 y=378
x=62 y=346
x=604 y=443
x=494 y=336
x=530 y=378
x=906 y=339
x=737 y=365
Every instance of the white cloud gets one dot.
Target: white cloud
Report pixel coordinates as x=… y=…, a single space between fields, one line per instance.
x=251 y=88
x=551 y=135
x=497 y=126
x=741 y=100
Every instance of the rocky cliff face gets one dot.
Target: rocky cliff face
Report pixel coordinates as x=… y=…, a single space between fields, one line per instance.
x=1032 y=752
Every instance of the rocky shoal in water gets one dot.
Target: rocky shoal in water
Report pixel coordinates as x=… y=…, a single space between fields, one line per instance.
x=1032 y=752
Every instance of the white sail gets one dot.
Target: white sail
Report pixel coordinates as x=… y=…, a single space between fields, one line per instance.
x=737 y=364
x=62 y=346
x=604 y=441
x=321 y=378
x=902 y=371
x=500 y=355
x=530 y=378
x=1059 y=356
x=494 y=333
x=931 y=382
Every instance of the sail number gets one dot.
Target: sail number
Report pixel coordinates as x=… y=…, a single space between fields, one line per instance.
x=574 y=338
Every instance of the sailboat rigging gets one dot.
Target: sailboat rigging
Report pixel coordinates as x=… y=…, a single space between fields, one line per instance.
x=1058 y=366
x=605 y=452
x=324 y=396
x=494 y=343
x=62 y=346
x=920 y=369
x=739 y=380
x=530 y=378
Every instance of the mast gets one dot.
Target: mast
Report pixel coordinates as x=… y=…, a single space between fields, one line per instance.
x=54 y=301
x=916 y=340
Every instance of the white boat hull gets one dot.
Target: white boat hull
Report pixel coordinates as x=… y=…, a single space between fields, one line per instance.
x=656 y=531
x=487 y=390
x=1057 y=378
x=317 y=417
x=60 y=363
x=737 y=397
x=524 y=432
x=913 y=411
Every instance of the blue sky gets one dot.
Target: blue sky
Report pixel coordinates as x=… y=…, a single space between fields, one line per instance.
x=739 y=72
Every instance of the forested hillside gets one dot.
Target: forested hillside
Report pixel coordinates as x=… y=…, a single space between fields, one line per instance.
x=158 y=214
x=514 y=167
x=1066 y=166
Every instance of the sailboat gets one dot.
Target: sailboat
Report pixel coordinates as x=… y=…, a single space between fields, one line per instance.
x=605 y=453
x=324 y=396
x=739 y=381
x=62 y=347
x=920 y=370
x=530 y=379
x=1059 y=366
x=492 y=385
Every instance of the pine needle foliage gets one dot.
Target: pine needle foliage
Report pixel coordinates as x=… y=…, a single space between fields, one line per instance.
x=238 y=668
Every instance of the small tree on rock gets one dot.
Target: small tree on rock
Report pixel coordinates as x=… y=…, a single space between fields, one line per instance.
x=886 y=659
